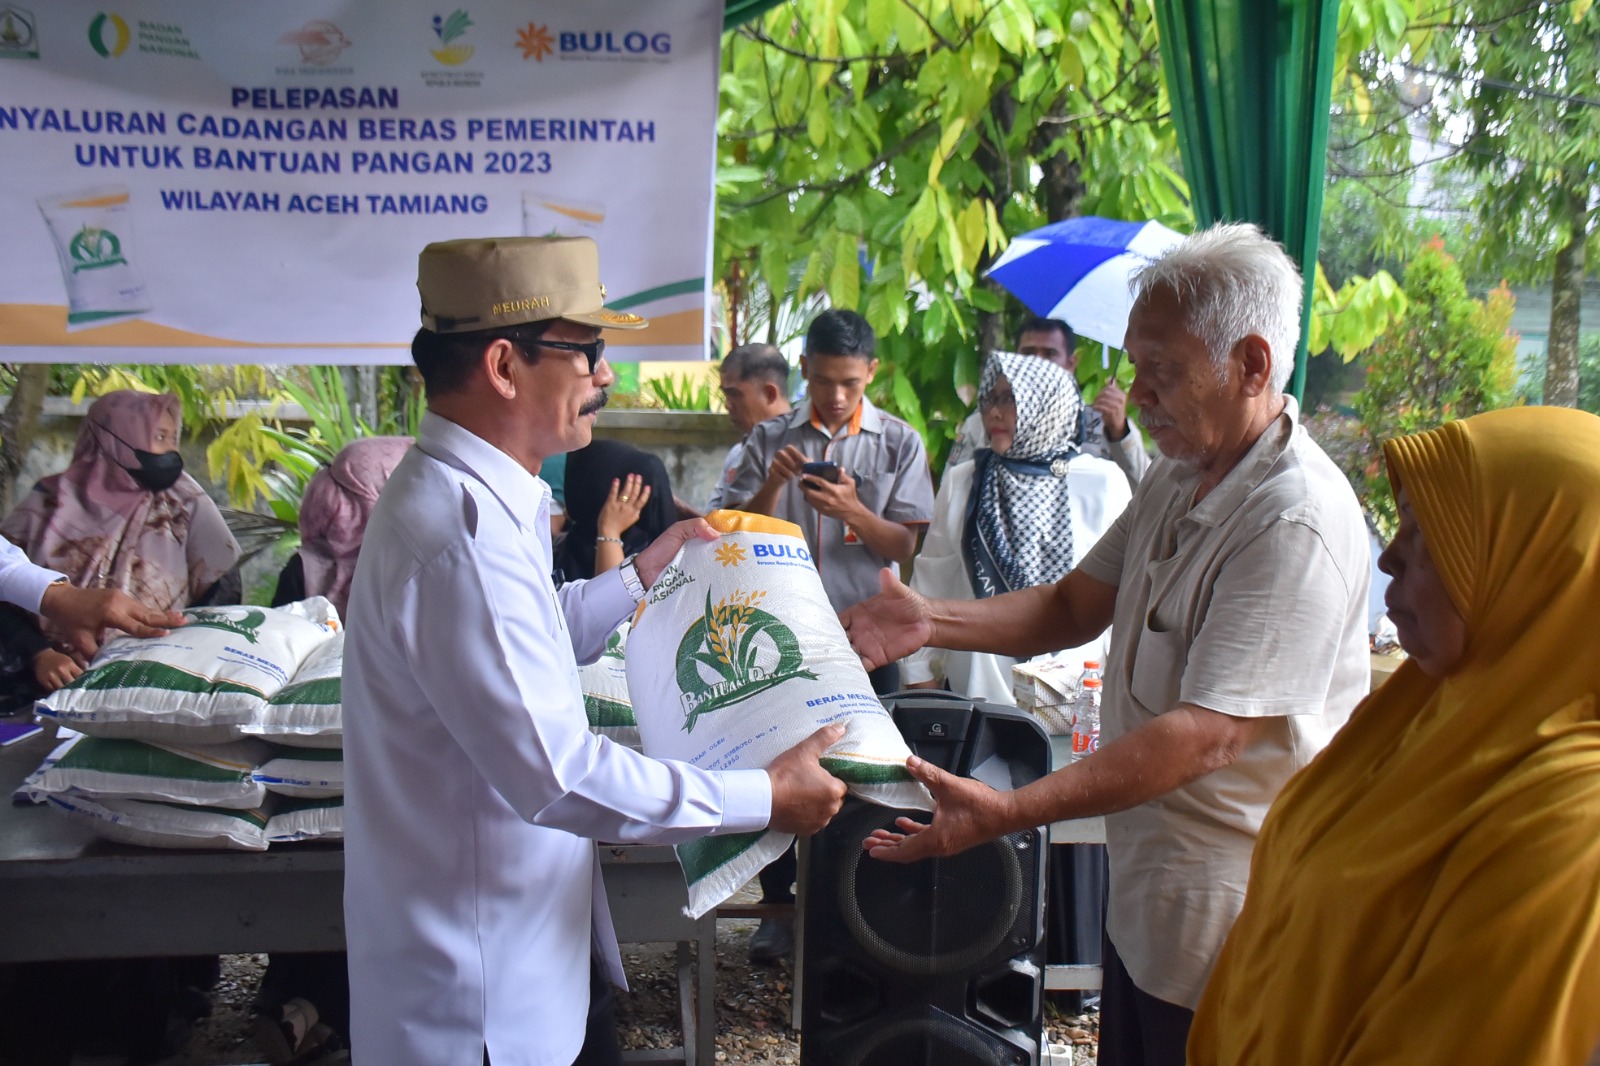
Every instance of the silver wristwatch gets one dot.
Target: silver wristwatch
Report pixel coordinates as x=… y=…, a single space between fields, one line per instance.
x=630 y=579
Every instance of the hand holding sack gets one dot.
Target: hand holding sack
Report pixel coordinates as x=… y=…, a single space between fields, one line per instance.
x=735 y=656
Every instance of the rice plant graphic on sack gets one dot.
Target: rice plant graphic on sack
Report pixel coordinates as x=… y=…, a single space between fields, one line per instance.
x=736 y=656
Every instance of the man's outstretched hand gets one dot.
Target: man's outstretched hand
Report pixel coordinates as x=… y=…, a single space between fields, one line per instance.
x=891 y=625
x=81 y=614
x=655 y=558
x=968 y=814
x=805 y=797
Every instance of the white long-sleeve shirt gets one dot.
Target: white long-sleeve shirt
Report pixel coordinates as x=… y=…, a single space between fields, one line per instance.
x=474 y=789
x=21 y=582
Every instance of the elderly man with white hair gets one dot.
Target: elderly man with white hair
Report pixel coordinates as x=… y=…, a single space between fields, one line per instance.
x=1237 y=582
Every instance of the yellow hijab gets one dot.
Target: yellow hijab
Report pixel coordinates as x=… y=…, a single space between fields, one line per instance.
x=1428 y=889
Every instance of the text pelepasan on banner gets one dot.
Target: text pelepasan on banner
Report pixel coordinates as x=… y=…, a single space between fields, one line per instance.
x=223 y=181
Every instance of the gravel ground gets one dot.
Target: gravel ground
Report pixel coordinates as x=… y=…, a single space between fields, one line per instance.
x=752 y=1008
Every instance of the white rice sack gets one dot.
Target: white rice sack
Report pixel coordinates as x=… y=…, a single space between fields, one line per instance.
x=219 y=775
x=314 y=773
x=605 y=692
x=737 y=656
x=306 y=713
x=199 y=684
x=166 y=825
x=306 y=819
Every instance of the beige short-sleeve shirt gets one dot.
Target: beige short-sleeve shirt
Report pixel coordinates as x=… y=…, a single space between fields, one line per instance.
x=1252 y=603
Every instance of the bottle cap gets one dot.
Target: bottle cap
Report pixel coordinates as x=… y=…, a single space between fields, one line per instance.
x=1091 y=682
x=1091 y=664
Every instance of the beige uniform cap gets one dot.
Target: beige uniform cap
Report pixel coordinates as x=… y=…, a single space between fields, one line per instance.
x=494 y=282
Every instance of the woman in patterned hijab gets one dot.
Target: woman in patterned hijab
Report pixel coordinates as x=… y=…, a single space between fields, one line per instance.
x=1020 y=513
x=1019 y=517
x=124 y=515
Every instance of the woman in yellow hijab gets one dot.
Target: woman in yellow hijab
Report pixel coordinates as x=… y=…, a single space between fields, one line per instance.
x=1428 y=889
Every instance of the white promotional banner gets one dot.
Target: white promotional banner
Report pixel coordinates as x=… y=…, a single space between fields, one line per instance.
x=204 y=181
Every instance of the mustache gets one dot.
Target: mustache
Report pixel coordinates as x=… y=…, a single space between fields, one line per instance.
x=595 y=402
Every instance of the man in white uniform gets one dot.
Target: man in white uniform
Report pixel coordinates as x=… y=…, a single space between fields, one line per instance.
x=475 y=791
x=1237 y=579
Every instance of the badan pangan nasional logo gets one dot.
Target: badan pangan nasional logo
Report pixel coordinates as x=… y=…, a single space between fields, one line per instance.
x=108 y=34
x=448 y=30
x=321 y=43
x=19 y=37
x=735 y=651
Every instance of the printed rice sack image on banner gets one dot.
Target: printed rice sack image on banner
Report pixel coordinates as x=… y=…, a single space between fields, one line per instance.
x=202 y=682
x=735 y=656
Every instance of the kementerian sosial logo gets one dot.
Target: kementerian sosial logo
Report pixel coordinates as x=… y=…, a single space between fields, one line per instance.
x=92 y=247
x=321 y=43
x=19 y=35
x=732 y=653
x=449 y=30
x=109 y=35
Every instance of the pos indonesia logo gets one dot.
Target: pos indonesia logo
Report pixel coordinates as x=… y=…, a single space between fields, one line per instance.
x=92 y=247
x=108 y=35
x=736 y=651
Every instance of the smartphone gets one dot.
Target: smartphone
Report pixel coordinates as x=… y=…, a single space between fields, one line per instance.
x=822 y=471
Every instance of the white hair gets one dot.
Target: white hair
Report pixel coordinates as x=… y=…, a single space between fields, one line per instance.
x=1233 y=280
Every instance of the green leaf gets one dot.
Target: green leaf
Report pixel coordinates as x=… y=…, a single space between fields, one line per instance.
x=844 y=283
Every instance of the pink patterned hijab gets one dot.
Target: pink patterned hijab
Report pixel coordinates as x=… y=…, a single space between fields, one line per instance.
x=102 y=529
x=334 y=512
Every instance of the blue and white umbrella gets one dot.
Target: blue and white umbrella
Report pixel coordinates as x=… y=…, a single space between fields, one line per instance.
x=1078 y=270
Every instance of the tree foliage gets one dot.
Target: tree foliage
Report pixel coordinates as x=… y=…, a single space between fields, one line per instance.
x=1451 y=357
x=879 y=154
x=1525 y=74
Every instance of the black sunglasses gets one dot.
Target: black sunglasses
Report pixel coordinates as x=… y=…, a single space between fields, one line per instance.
x=593 y=351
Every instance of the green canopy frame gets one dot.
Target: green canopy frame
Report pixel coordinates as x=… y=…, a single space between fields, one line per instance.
x=1251 y=82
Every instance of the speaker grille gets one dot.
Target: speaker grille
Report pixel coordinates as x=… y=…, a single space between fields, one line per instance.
x=931 y=1038
x=932 y=918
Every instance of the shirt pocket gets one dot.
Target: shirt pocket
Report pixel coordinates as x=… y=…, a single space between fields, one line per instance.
x=1159 y=661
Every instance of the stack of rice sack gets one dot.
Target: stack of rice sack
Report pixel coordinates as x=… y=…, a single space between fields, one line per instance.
x=224 y=733
x=605 y=692
x=734 y=657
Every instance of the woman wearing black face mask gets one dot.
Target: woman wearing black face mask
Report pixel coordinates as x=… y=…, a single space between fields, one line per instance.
x=124 y=514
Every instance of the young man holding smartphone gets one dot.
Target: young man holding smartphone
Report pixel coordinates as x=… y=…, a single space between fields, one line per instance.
x=856 y=481
x=853 y=478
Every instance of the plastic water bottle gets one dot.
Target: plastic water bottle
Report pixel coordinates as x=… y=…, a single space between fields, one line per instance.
x=1086 y=720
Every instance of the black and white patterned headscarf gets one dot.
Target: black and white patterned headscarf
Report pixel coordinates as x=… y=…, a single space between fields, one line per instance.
x=1019 y=518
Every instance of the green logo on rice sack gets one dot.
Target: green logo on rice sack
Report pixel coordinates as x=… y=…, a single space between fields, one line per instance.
x=735 y=651
x=248 y=626
x=92 y=248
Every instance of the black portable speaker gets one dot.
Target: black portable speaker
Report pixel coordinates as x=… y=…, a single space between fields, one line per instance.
x=937 y=962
